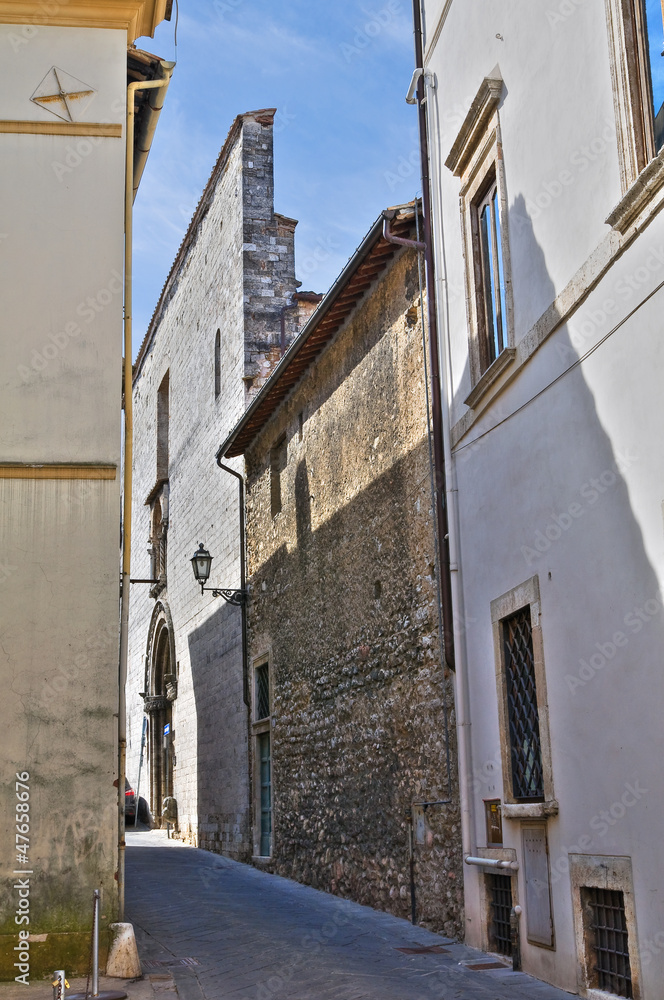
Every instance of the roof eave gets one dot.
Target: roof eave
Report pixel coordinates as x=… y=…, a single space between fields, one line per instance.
x=231 y=449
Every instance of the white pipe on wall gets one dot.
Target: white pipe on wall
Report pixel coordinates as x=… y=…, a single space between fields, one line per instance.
x=462 y=697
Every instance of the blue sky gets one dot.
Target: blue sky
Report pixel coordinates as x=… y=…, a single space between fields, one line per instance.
x=345 y=140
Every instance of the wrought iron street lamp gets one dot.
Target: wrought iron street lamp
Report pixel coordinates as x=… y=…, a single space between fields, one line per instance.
x=201 y=562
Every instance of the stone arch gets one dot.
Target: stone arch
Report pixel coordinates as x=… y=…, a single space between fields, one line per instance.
x=160 y=693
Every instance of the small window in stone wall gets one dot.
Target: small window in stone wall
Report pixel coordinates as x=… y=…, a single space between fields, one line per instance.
x=163 y=413
x=278 y=459
x=499 y=892
x=262 y=691
x=217 y=364
x=605 y=924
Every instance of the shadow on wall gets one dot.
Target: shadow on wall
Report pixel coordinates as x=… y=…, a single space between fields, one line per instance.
x=349 y=614
x=220 y=751
x=542 y=491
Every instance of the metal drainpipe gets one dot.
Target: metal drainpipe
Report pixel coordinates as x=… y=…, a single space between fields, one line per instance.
x=461 y=680
x=284 y=310
x=128 y=459
x=243 y=582
x=411 y=865
x=436 y=400
x=388 y=235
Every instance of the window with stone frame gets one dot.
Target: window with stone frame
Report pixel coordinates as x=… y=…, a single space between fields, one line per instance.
x=217 y=364
x=489 y=273
x=163 y=419
x=636 y=42
x=522 y=710
x=522 y=704
x=476 y=158
x=605 y=928
x=607 y=939
x=158 y=497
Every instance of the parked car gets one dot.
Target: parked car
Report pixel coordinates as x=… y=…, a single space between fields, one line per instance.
x=130 y=802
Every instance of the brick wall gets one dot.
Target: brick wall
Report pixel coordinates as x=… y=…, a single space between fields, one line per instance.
x=220 y=283
x=344 y=603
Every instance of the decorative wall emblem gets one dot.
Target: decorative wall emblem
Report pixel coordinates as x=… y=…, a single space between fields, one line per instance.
x=63 y=95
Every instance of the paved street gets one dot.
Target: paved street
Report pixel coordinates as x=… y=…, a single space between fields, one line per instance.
x=252 y=936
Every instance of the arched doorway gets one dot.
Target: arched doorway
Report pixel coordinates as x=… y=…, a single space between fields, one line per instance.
x=160 y=693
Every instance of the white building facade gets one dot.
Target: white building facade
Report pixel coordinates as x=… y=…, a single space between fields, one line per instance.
x=63 y=98
x=547 y=184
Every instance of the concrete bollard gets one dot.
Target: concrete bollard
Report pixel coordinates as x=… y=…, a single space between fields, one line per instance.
x=123 y=961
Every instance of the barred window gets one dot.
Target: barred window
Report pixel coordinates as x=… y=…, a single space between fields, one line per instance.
x=500 y=907
x=606 y=933
x=262 y=691
x=524 y=732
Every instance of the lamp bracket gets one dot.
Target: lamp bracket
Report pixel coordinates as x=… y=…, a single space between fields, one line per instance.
x=236 y=597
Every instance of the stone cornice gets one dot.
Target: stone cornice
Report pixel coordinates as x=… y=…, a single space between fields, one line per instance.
x=493 y=372
x=60 y=128
x=136 y=17
x=474 y=126
x=641 y=195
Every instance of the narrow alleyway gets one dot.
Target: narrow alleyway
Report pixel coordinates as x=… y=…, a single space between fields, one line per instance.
x=224 y=929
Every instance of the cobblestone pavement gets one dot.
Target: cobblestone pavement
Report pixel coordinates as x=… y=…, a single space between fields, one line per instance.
x=253 y=936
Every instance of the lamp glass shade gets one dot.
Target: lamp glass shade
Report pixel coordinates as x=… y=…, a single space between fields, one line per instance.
x=201 y=561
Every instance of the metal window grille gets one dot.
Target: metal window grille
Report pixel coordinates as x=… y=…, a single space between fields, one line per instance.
x=526 y=750
x=262 y=691
x=607 y=923
x=500 y=906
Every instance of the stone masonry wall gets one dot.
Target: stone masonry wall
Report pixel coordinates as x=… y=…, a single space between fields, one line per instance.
x=218 y=284
x=344 y=603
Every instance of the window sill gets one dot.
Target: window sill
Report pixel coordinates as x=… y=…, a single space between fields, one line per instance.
x=529 y=810
x=493 y=372
x=261 y=859
x=641 y=197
